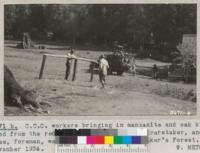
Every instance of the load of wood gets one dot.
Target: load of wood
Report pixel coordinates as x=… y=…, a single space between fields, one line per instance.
x=188 y=51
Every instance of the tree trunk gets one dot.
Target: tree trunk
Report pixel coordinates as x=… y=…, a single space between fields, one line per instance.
x=14 y=94
x=26 y=42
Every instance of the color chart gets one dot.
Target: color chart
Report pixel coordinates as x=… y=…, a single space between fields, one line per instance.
x=101 y=136
x=101 y=141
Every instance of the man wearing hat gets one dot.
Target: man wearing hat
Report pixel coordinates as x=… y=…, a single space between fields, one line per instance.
x=103 y=70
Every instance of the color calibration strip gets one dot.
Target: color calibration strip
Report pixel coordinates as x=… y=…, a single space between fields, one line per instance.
x=101 y=136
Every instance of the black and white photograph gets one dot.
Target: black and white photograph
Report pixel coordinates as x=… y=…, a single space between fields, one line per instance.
x=100 y=59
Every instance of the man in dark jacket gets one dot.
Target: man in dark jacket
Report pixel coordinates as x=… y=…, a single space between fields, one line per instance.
x=69 y=63
x=155 y=71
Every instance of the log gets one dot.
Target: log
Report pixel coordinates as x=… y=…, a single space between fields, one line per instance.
x=78 y=58
x=14 y=93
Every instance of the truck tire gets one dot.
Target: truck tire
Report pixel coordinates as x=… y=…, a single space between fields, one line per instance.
x=120 y=72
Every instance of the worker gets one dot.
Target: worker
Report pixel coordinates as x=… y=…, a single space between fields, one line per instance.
x=69 y=61
x=155 y=71
x=103 y=70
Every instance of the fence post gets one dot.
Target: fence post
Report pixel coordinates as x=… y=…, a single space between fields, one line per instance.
x=74 y=72
x=42 y=66
x=91 y=71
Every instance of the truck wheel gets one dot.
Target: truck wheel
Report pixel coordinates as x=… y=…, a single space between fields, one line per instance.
x=120 y=72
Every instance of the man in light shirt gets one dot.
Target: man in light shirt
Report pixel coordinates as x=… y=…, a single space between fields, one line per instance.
x=103 y=70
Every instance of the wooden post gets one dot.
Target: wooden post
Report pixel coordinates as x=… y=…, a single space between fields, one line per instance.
x=42 y=66
x=74 y=72
x=91 y=71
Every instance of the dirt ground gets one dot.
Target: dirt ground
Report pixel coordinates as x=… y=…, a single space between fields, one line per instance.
x=123 y=95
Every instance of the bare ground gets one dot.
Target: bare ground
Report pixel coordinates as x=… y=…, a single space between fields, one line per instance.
x=124 y=95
